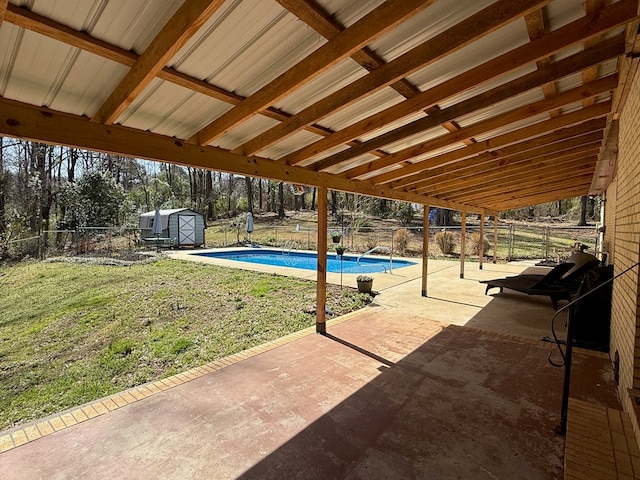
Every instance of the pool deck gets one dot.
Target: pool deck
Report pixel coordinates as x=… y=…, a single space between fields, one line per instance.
x=449 y=299
x=449 y=386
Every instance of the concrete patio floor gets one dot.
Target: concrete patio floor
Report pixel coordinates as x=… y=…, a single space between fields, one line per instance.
x=400 y=389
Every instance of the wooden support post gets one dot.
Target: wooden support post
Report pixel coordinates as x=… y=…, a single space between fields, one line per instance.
x=463 y=241
x=481 y=246
x=321 y=279
x=425 y=249
x=495 y=238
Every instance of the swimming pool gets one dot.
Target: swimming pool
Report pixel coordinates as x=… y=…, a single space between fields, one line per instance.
x=308 y=261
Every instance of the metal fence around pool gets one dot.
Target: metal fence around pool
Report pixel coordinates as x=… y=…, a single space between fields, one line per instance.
x=552 y=243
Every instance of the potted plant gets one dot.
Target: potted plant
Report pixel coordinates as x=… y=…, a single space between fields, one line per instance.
x=340 y=249
x=365 y=282
x=336 y=236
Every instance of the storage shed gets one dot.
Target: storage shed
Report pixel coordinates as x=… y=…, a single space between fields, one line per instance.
x=182 y=226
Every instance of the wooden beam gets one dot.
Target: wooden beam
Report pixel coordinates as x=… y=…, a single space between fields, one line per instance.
x=543 y=171
x=517 y=114
x=187 y=20
x=472 y=28
x=573 y=33
x=425 y=247
x=49 y=126
x=3 y=10
x=535 y=199
x=579 y=165
x=537 y=27
x=24 y=18
x=313 y=15
x=488 y=168
x=579 y=182
x=518 y=140
x=481 y=245
x=321 y=275
x=372 y=26
x=495 y=238
x=463 y=241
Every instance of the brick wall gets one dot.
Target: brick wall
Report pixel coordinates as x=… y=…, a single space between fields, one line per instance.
x=623 y=236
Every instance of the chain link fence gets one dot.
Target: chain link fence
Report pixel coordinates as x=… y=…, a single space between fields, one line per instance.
x=515 y=242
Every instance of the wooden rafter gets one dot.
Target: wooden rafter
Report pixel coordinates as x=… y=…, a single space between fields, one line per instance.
x=507 y=118
x=548 y=131
x=372 y=26
x=24 y=18
x=179 y=29
x=515 y=163
x=573 y=33
x=472 y=28
x=48 y=126
x=545 y=168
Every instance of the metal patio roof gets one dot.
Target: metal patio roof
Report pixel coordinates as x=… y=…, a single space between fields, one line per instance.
x=480 y=105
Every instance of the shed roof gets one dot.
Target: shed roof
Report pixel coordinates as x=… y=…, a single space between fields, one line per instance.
x=482 y=106
x=167 y=212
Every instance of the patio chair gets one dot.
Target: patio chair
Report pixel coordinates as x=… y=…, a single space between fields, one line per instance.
x=559 y=284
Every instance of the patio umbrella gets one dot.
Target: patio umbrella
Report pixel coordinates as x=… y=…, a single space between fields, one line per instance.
x=249 y=224
x=157 y=224
x=157 y=228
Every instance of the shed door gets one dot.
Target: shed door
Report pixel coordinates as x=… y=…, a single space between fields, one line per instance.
x=186 y=229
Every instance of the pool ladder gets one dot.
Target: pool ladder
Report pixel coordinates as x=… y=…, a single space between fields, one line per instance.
x=291 y=244
x=379 y=247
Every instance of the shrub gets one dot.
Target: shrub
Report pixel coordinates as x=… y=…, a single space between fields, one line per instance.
x=401 y=240
x=474 y=243
x=445 y=241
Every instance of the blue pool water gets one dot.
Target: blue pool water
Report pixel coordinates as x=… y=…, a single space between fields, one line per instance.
x=308 y=261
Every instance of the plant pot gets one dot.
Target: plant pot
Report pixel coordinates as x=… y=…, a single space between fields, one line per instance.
x=365 y=286
x=336 y=238
x=340 y=251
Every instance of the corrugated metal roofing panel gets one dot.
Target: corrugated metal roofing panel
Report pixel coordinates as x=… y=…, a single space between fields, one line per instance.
x=502 y=107
x=289 y=145
x=333 y=80
x=245 y=45
x=435 y=19
x=248 y=129
x=477 y=53
x=392 y=126
x=364 y=108
x=169 y=109
x=132 y=25
x=83 y=86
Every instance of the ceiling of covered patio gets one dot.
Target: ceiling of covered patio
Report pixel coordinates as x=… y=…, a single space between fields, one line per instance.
x=480 y=106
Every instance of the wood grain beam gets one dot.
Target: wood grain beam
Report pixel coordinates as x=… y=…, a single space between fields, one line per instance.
x=499 y=121
x=313 y=15
x=542 y=172
x=537 y=27
x=552 y=143
x=187 y=20
x=472 y=28
x=372 y=26
x=487 y=170
x=580 y=182
x=48 y=126
x=24 y=18
x=550 y=195
x=3 y=10
x=572 y=33
x=539 y=132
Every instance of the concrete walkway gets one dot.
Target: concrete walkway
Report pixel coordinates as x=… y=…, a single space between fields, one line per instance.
x=390 y=392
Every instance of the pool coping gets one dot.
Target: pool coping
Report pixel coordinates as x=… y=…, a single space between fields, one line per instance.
x=382 y=280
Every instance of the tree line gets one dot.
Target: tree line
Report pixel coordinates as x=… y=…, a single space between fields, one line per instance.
x=45 y=187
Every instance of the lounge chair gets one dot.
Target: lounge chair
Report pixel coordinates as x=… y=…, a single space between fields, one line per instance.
x=559 y=284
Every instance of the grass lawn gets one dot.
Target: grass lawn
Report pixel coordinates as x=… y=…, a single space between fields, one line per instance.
x=71 y=333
